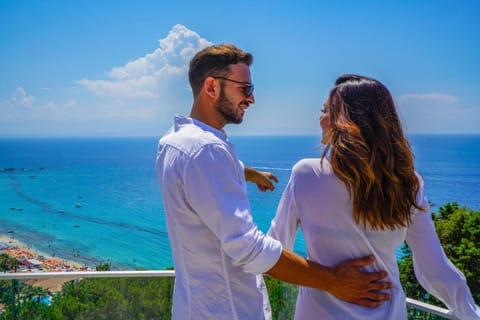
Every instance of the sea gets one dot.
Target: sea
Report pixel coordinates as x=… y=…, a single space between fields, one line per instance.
x=96 y=200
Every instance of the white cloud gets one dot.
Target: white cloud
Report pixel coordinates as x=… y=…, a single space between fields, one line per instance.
x=21 y=98
x=72 y=103
x=150 y=76
x=143 y=87
x=138 y=98
x=19 y=103
x=432 y=97
x=436 y=113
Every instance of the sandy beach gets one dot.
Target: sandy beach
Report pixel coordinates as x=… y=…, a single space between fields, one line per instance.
x=21 y=251
x=33 y=261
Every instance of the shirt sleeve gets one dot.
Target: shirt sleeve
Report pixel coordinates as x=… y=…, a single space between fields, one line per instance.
x=285 y=224
x=216 y=189
x=434 y=270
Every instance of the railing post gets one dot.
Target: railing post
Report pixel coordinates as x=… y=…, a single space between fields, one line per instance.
x=13 y=299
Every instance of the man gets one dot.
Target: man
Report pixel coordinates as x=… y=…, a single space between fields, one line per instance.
x=217 y=248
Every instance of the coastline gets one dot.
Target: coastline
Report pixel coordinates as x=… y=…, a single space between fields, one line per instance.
x=28 y=257
x=23 y=252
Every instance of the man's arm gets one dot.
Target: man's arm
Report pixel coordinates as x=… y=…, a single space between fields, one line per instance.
x=346 y=281
x=262 y=179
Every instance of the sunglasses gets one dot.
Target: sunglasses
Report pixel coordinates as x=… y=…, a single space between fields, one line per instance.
x=247 y=88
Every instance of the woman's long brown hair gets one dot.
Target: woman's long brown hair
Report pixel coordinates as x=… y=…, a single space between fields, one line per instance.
x=369 y=153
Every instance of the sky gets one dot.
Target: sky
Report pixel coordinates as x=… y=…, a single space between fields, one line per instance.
x=84 y=68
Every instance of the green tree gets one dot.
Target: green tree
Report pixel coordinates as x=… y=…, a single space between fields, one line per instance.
x=458 y=229
x=104 y=266
x=32 y=310
x=282 y=298
x=116 y=298
x=4 y=259
x=14 y=264
x=29 y=304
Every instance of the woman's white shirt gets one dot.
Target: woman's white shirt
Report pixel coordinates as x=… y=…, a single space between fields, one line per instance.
x=318 y=203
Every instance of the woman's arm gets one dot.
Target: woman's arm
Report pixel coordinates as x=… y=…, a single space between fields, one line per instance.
x=434 y=270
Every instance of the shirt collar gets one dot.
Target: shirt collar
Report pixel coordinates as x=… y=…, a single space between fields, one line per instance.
x=182 y=120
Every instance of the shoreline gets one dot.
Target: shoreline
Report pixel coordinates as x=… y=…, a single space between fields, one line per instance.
x=24 y=252
x=28 y=257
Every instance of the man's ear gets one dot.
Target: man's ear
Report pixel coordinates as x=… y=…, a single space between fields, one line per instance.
x=211 y=87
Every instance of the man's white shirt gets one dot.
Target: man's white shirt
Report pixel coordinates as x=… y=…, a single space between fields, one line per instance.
x=217 y=248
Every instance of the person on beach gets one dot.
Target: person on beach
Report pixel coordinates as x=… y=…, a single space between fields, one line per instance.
x=362 y=197
x=217 y=248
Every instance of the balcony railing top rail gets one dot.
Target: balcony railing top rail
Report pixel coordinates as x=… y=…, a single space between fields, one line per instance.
x=442 y=312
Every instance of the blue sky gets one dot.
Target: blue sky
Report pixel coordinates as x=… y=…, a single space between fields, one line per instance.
x=119 y=68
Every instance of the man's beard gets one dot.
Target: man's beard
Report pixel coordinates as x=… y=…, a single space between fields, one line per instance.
x=227 y=110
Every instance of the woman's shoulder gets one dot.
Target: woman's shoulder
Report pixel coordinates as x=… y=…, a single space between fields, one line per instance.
x=306 y=163
x=311 y=165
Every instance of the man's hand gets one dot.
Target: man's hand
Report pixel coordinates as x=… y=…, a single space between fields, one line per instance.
x=357 y=286
x=346 y=280
x=262 y=179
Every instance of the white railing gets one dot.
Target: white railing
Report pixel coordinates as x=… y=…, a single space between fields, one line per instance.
x=415 y=304
x=88 y=274
x=419 y=305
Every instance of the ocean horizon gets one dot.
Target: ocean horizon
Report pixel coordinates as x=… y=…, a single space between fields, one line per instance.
x=96 y=200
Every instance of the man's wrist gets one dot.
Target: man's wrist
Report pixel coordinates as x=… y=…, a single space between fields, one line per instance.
x=249 y=172
x=327 y=280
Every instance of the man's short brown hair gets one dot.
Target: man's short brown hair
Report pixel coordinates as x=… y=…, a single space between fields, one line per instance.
x=215 y=61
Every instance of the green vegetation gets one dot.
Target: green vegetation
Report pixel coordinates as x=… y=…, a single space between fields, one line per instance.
x=26 y=298
x=282 y=298
x=150 y=298
x=122 y=298
x=458 y=229
x=8 y=263
x=113 y=298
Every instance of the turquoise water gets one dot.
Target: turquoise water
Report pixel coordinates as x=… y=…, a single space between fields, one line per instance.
x=96 y=199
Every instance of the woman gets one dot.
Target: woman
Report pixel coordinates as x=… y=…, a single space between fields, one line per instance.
x=364 y=197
